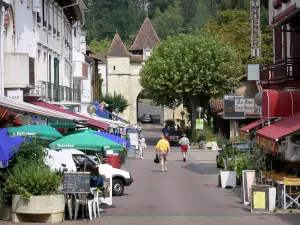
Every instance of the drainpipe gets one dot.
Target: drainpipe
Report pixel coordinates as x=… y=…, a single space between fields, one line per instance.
x=2 y=14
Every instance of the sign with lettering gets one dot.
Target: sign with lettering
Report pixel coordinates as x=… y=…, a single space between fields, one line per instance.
x=255 y=28
x=199 y=124
x=266 y=144
x=76 y=182
x=244 y=105
x=15 y=95
x=229 y=107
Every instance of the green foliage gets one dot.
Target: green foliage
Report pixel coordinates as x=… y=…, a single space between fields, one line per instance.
x=194 y=136
x=169 y=22
x=190 y=65
x=201 y=17
x=221 y=140
x=29 y=179
x=114 y=102
x=33 y=151
x=100 y=46
x=170 y=123
x=126 y=137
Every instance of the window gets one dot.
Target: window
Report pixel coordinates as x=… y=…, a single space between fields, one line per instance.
x=114 y=68
x=45 y=57
x=44 y=11
x=54 y=17
x=50 y=65
x=50 y=15
x=80 y=159
x=75 y=31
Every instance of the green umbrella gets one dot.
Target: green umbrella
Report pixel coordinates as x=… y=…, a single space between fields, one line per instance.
x=85 y=141
x=43 y=132
x=80 y=131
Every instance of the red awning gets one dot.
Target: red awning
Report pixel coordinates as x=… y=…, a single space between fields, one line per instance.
x=282 y=128
x=250 y=126
x=91 y=122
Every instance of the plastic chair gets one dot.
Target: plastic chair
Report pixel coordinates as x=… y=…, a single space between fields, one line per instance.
x=96 y=203
x=292 y=196
x=69 y=205
x=82 y=200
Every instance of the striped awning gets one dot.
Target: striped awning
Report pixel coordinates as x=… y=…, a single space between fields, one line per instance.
x=34 y=110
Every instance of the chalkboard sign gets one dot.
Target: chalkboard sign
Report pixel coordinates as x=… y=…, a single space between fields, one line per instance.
x=76 y=182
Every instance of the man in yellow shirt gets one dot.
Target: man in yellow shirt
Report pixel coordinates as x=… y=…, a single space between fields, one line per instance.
x=162 y=149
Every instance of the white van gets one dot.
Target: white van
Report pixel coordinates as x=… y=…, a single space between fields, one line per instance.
x=70 y=160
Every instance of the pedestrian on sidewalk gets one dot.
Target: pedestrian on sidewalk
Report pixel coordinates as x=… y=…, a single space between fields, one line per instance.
x=184 y=143
x=162 y=150
x=142 y=146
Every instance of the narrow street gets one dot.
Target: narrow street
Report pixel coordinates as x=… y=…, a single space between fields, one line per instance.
x=186 y=194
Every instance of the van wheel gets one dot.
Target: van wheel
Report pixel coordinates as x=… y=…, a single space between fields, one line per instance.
x=117 y=187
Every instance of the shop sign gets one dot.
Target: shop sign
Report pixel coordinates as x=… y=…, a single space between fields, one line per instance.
x=229 y=108
x=199 y=124
x=15 y=95
x=266 y=144
x=244 y=105
x=255 y=28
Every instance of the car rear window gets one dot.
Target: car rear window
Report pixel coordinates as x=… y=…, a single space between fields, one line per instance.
x=174 y=133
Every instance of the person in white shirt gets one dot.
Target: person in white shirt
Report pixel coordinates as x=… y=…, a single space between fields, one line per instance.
x=184 y=142
x=142 y=146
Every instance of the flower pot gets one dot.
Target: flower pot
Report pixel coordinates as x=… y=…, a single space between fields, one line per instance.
x=122 y=158
x=228 y=179
x=42 y=209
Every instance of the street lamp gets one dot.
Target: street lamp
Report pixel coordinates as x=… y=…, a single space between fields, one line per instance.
x=91 y=109
x=182 y=114
x=117 y=110
x=258 y=99
x=199 y=110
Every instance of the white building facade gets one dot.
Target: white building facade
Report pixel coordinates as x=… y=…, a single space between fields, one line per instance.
x=43 y=56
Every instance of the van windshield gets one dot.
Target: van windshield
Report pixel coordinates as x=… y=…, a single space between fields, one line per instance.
x=81 y=159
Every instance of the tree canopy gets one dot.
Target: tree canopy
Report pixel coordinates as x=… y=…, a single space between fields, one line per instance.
x=192 y=68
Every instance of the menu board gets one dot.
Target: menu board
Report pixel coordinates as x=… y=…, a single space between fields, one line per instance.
x=260 y=199
x=76 y=182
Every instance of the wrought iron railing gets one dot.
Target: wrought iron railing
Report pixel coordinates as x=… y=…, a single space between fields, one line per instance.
x=59 y=93
x=267 y=73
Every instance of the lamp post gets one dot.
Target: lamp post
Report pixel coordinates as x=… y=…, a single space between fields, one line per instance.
x=199 y=110
x=91 y=109
x=182 y=113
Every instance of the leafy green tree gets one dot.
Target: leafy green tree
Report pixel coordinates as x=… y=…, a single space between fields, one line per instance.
x=100 y=46
x=170 y=22
x=202 y=15
x=114 y=101
x=192 y=68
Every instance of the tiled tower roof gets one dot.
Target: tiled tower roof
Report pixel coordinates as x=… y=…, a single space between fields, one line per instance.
x=146 y=37
x=117 y=48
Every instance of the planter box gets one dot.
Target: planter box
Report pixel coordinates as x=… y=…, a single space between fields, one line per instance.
x=228 y=179
x=211 y=146
x=43 y=209
x=5 y=212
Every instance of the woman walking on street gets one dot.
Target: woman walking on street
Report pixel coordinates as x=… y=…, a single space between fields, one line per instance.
x=142 y=146
x=184 y=142
x=162 y=150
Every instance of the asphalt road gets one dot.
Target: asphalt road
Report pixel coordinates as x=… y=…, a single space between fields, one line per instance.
x=186 y=194
x=145 y=108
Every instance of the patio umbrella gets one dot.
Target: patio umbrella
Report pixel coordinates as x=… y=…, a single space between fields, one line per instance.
x=8 y=147
x=43 y=132
x=85 y=141
x=117 y=139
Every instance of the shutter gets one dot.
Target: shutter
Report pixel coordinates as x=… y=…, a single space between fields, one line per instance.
x=31 y=71
x=295 y=44
x=278 y=43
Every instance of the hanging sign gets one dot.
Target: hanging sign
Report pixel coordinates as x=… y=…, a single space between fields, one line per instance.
x=266 y=144
x=255 y=28
x=15 y=95
x=199 y=124
x=244 y=105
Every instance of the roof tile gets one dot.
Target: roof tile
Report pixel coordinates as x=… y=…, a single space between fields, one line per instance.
x=146 y=37
x=117 y=48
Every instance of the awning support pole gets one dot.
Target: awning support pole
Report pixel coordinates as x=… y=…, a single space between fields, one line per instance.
x=3 y=115
x=12 y=120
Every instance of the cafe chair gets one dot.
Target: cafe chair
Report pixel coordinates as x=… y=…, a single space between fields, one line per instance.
x=289 y=194
x=84 y=201
x=96 y=203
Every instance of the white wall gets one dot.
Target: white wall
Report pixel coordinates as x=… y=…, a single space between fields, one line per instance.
x=86 y=90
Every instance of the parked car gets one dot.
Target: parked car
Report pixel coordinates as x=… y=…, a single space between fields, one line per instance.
x=244 y=147
x=71 y=160
x=173 y=137
x=147 y=118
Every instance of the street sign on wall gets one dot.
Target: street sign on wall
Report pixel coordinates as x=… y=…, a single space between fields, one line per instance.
x=229 y=108
x=199 y=124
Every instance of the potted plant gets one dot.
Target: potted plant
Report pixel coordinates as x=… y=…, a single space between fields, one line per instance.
x=228 y=175
x=28 y=185
x=123 y=155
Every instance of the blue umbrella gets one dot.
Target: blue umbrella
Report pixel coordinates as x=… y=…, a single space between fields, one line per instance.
x=121 y=141
x=8 y=147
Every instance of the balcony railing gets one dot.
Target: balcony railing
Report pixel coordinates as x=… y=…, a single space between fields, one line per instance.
x=58 y=93
x=267 y=73
x=284 y=70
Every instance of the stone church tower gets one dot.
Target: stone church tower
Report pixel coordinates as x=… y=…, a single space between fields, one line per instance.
x=123 y=66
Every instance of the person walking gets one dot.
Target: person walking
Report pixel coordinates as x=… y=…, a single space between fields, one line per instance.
x=162 y=150
x=184 y=143
x=142 y=145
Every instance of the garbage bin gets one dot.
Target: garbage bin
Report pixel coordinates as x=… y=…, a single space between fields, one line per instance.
x=114 y=161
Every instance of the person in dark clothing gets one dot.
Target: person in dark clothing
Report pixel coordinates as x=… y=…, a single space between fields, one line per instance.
x=96 y=179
